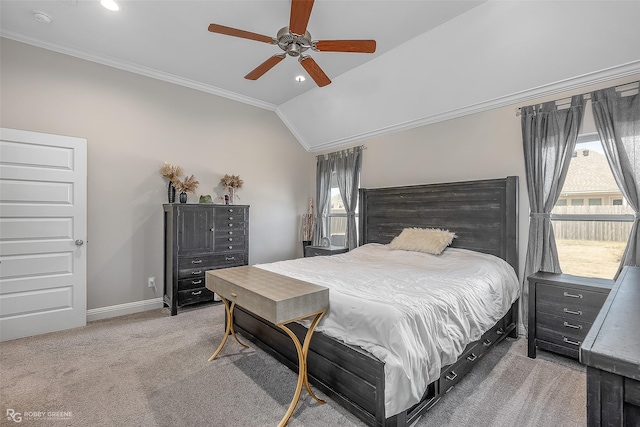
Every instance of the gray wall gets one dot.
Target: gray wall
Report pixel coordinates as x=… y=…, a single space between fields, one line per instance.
x=133 y=124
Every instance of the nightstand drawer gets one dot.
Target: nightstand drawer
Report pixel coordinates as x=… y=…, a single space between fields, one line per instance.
x=575 y=329
x=566 y=301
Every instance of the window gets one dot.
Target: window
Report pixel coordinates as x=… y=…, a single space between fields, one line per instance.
x=591 y=237
x=337 y=215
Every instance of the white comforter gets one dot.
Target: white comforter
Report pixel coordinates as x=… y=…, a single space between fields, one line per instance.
x=416 y=312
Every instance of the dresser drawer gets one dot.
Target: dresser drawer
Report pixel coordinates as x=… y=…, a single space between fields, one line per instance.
x=193 y=296
x=228 y=229
x=187 y=266
x=187 y=284
x=222 y=215
x=230 y=239
x=566 y=301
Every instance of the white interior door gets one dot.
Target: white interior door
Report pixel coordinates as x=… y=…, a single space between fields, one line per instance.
x=43 y=227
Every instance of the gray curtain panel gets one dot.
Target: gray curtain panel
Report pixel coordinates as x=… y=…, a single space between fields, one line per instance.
x=347 y=165
x=323 y=196
x=617 y=119
x=549 y=137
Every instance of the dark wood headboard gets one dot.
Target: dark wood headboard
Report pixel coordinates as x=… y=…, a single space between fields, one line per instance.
x=483 y=214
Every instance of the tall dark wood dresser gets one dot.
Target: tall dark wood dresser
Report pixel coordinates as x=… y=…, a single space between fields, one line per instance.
x=611 y=352
x=198 y=238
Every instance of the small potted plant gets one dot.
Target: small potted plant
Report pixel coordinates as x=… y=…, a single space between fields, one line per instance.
x=189 y=185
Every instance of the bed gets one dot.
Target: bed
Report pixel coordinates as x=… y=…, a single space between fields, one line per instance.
x=483 y=214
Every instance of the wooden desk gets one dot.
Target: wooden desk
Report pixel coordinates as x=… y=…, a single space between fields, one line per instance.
x=278 y=299
x=611 y=352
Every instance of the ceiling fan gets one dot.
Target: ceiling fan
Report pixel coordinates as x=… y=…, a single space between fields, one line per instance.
x=294 y=40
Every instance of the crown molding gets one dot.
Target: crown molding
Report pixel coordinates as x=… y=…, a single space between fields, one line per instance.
x=566 y=85
x=144 y=71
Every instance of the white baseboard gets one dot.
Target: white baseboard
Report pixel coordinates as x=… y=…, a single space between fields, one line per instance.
x=122 y=309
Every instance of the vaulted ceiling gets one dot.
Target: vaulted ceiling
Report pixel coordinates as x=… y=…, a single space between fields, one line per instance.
x=434 y=60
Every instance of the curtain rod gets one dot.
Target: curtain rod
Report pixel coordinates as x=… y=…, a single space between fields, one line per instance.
x=587 y=96
x=364 y=147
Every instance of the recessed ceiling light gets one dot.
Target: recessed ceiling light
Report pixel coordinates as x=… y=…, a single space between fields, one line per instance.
x=110 y=4
x=42 y=17
x=300 y=78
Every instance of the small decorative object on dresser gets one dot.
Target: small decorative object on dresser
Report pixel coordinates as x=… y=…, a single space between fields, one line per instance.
x=189 y=185
x=562 y=309
x=172 y=173
x=201 y=237
x=231 y=183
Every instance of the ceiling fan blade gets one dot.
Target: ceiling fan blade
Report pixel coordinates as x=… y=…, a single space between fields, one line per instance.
x=264 y=67
x=228 y=31
x=358 y=46
x=300 y=13
x=314 y=71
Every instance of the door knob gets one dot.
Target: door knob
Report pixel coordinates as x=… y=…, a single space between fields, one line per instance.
x=79 y=242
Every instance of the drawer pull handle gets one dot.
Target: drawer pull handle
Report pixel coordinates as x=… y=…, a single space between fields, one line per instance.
x=577 y=313
x=567 y=294
x=230 y=218
x=230 y=225
x=229 y=258
x=195 y=273
x=231 y=232
x=500 y=331
x=486 y=343
x=211 y=229
x=233 y=294
x=230 y=247
x=231 y=239
x=472 y=357
x=196 y=293
x=569 y=325
x=196 y=282
x=196 y=261
x=452 y=376
x=230 y=210
x=568 y=341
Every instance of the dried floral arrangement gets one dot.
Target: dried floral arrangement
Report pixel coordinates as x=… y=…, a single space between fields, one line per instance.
x=189 y=185
x=308 y=222
x=172 y=172
x=231 y=181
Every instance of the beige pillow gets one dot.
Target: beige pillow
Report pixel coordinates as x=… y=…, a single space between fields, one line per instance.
x=428 y=240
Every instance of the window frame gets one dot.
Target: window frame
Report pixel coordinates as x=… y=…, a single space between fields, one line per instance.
x=591 y=137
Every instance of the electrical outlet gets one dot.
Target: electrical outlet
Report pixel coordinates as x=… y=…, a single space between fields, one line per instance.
x=151 y=282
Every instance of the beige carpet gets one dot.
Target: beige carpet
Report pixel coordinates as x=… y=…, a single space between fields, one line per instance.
x=151 y=369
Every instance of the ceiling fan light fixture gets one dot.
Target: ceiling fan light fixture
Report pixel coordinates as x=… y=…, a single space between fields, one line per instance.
x=293 y=49
x=300 y=79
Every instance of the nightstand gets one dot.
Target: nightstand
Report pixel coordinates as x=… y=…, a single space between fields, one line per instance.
x=562 y=309
x=324 y=250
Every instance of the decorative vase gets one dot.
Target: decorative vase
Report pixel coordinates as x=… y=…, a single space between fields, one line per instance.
x=183 y=197
x=171 y=192
x=232 y=196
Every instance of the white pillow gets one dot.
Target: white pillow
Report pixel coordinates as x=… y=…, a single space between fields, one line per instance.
x=428 y=240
